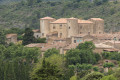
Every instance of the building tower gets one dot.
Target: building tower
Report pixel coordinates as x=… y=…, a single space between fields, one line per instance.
x=72 y=25
x=98 y=25
x=45 y=25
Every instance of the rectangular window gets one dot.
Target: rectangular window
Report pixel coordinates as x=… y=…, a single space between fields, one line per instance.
x=80 y=27
x=74 y=41
x=88 y=32
x=42 y=34
x=60 y=35
x=53 y=27
x=37 y=36
x=69 y=27
x=60 y=26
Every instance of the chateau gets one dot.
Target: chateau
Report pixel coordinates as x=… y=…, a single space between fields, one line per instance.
x=67 y=27
x=67 y=33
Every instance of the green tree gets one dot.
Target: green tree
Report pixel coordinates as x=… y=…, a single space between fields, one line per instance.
x=16 y=61
x=50 y=52
x=73 y=56
x=38 y=1
x=46 y=71
x=109 y=77
x=93 y=76
x=30 y=2
x=96 y=68
x=117 y=74
x=28 y=36
x=97 y=2
x=104 y=1
x=97 y=56
x=40 y=40
x=60 y=62
x=88 y=45
x=73 y=78
x=108 y=65
x=2 y=38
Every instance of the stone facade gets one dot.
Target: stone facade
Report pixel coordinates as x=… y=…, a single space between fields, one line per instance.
x=67 y=27
x=11 y=38
x=98 y=25
x=37 y=33
x=45 y=25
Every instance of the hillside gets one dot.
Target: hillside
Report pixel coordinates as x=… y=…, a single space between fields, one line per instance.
x=23 y=15
x=8 y=1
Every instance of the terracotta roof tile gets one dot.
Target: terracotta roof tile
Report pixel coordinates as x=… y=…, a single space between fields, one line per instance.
x=71 y=46
x=39 y=45
x=47 y=18
x=84 y=21
x=10 y=35
x=57 y=45
x=79 y=35
x=61 y=20
x=113 y=49
x=36 y=30
x=72 y=18
x=97 y=19
x=104 y=36
x=101 y=45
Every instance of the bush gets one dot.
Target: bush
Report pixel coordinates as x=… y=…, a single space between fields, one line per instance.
x=96 y=68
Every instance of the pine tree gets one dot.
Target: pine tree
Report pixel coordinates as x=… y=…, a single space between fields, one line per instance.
x=47 y=71
x=28 y=36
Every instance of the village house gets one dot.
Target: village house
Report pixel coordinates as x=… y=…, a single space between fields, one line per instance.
x=11 y=38
x=37 y=33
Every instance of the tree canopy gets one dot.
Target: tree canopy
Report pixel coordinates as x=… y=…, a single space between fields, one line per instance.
x=28 y=36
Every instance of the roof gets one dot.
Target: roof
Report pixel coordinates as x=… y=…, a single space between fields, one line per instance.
x=103 y=36
x=72 y=18
x=57 y=45
x=84 y=21
x=96 y=19
x=61 y=20
x=113 y=42
x=39 y=45
x=101 y=45
x=79 y=35
x=57 y=39
x=10 y=35
x=36 y=30
x=71 y=46
x=111 y=50
x=47 y=18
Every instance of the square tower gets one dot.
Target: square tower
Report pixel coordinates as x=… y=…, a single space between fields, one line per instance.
x=98 y=25
x=45 y=25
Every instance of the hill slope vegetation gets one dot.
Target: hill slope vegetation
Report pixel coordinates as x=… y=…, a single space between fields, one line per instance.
x=23 y=14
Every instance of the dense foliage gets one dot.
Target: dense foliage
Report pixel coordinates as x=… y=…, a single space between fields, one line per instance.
x=16 y=61
x=21 y=63
x=27 y=13
x=111 y=55
x=83 y=54
x=28 y=36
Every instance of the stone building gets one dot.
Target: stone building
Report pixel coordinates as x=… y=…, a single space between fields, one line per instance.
x=37 y=33
x=45 y=25
x=67 y=27
x=98 y=25
x=11 y=38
